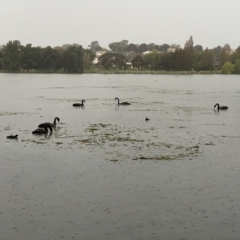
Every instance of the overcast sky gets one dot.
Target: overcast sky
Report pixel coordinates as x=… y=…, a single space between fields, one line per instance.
x=56 y=22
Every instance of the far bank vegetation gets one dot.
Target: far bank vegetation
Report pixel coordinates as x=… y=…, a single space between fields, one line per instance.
x=121 y=57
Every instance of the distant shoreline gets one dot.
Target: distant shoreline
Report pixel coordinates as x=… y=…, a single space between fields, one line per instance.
x=102 y=71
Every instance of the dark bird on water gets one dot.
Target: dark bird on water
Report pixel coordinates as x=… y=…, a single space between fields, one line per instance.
x=220 y=107
x=12 y=137
x=44 y=130
x=79 y=104
x=53 y=125
x=122 y=103
x=147 y=119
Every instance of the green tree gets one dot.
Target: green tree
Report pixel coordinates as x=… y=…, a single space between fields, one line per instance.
x=94 y=46
x=73 y=60
x=87 y=60
x=11 y=52
x=91 y=53
x=228 y=68
x=138 y=62
x=28 y=58
x=204 y=61
x=152 y=47
x=154 y=60
x=224 y=56
x=198 y=48
x=48 y=59
x=109 y=59
x=238 y=53
x=118 y=47
x=142 y=48
x=189 y=56
x=227 y=47
x=1 y=60
x=168 y=61
x=163 y=47
x=237 y=67
x=131 y=47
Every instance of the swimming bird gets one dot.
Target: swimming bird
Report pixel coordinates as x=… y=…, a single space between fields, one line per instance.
x=147 y=119
x=12 y=136
x=220 y=108
x=79 y=104
x=43 y=125
x=44 y=130
x=122 y=103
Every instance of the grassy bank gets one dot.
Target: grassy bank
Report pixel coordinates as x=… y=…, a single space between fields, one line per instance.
x=134 y=71
x=115 y=71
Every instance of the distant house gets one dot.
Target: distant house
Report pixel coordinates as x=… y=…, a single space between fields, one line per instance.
x=98 y=55
x=171 y=50
x=147 y=52
x=129 y=64
x=95 y=61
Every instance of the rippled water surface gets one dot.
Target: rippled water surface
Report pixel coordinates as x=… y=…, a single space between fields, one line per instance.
x=105 y=173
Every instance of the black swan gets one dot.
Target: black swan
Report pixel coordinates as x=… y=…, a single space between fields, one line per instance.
x=122 y=103
x=43 y=125
x=79 y=104
x=12 y=137
x=220 y=108
x=40 y=131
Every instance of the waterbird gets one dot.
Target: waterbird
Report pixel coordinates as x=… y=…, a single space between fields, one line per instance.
x=44 y=130
x=122 y=103
x=220 y=108
x=43 y=125
x=147 y=119
x=12 y=136
x=79 y=104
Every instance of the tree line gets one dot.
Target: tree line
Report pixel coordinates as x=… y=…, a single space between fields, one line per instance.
x=74 y=58
x=68 y=58
x=189 y=58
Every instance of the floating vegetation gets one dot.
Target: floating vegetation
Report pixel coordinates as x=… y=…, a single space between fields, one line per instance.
x=15 y=113
x=117 y=143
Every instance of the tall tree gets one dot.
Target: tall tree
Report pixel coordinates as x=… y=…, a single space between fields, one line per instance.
x=142 y=48
x=94 y=46
x=109 y=59
x=198 y=48
x=227 y=47
x=73 y=60
x=154 y=60
x=237 y=67
x=48 y=59
x=138 y=62
x=87 y=60
x=163 y=47
x=1 y=59
x=189 y=57
x=11 y=52
x=118 y=47
x=204 y=60
x=131 y=47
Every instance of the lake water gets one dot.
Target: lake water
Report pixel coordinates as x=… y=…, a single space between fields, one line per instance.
x=105 y=173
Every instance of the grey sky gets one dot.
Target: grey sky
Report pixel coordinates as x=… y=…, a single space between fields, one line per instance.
x=56 y=22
